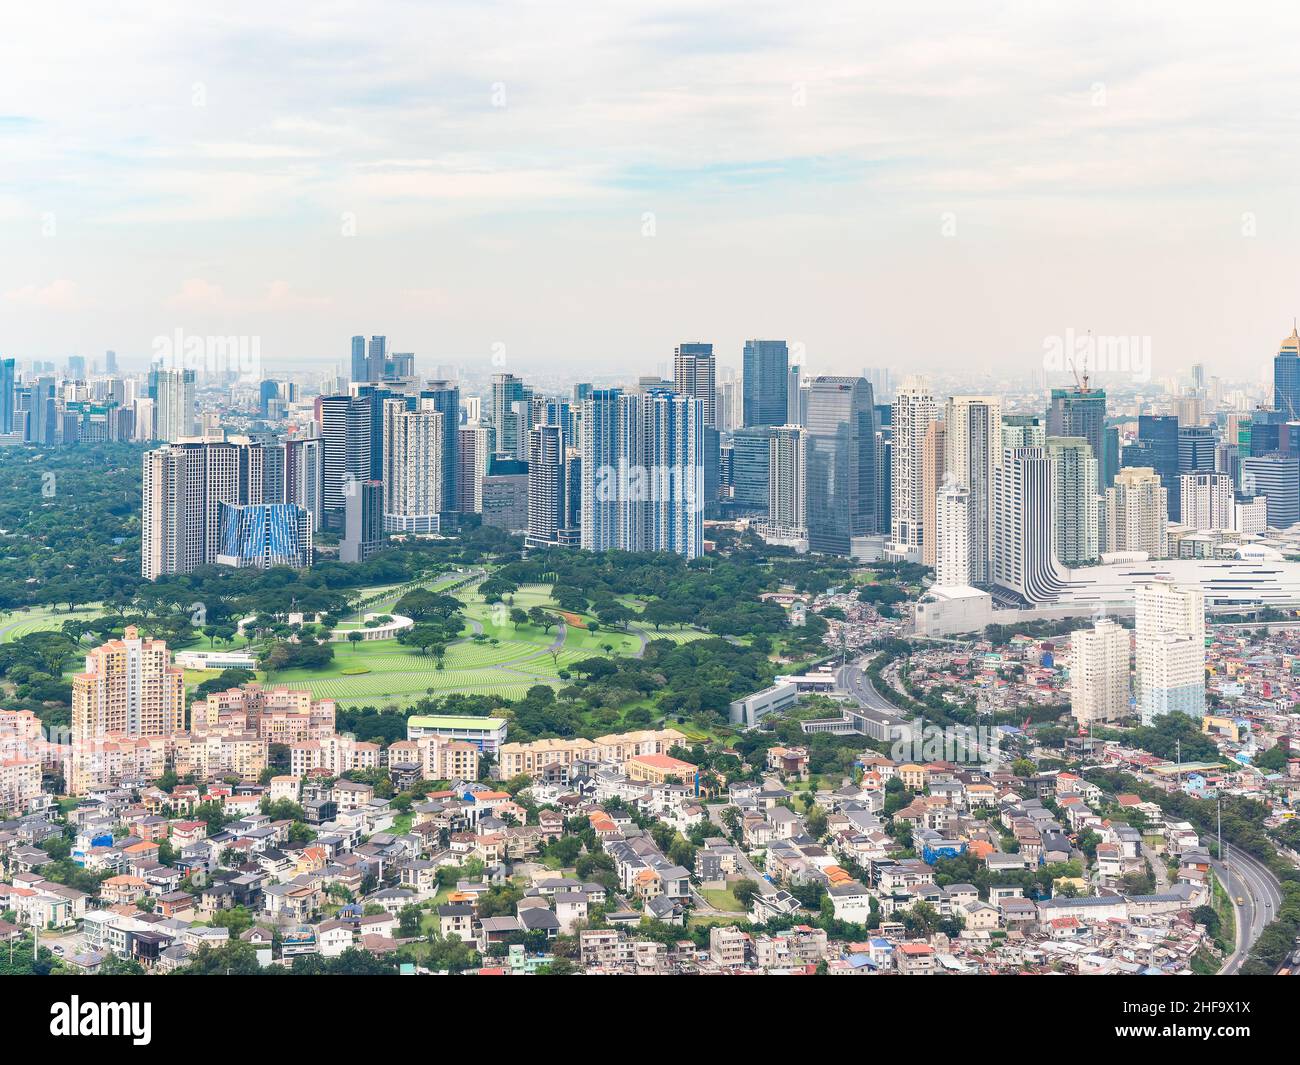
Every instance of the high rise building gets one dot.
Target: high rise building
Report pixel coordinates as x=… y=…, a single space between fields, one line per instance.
x=973 y=436
x=550 y=517
x=1082 y=412
x=766 y=382
x=360 y=367
x=444 y=397
x=787 y=515
x=840 y=463
x=6 y=396
x=1023 y=430
x=473 y=447
x=376 y=358
x=1099 y=673
x=1276 y=476
x=1196 y=450
x=303 y=470
x=185 y=483
x=413 y=468
x=1137 y=513
x=1074 y=500
x=1207 y=501
x=1158 y=448
x=1286 y=377
x=1170 y=651
x=695 y=374
x=175 y=414
x=363 y=522
x=642 y=472
x=509 y=414
x=129 y=688
x=750 y=469
x=1023 y=560
x=932 y=479
x=262 y=535
x=913 y=411
x=953 y=526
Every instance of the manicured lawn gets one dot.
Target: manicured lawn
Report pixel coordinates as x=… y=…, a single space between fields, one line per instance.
x=43 y=619
x=723 y=899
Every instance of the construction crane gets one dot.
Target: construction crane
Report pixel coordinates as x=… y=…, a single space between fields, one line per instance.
x=1081 y=380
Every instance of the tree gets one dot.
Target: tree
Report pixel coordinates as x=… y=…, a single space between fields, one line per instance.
x=745 y=890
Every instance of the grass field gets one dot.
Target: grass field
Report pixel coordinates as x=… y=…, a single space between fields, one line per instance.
x=42 y=619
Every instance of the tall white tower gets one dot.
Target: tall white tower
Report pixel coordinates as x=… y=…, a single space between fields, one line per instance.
x=1099 y=672
x=913 y=411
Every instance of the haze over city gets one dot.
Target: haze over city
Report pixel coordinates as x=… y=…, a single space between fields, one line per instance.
x=937 y=186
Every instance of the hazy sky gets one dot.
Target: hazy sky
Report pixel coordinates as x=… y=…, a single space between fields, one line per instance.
x=918 y=185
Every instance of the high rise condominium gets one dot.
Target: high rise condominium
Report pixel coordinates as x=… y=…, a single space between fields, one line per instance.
x=787 y=515
x=1136 y=513
x=973 y=438
x=1207 y=501
x=175 y=414
x=914 y=410
x=413 y=468
x=695 y=374
x=1170 y=651
x=953 y=525
x=932 y=479
x=129 y=688
x=1099 y=672
x=1074 y=500
x=1023 y=559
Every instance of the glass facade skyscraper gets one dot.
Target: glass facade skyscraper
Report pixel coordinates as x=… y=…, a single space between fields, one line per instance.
x=840 y=463
x=766 y=382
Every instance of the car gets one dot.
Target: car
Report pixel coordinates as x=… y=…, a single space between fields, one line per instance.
x=1241 y=901
x=57 y=950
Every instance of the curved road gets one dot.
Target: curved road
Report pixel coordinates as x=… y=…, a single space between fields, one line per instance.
x=1248 y=879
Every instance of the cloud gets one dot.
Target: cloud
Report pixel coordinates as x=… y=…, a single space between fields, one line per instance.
x=61 y=295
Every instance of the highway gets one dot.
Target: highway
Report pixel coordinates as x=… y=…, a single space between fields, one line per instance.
x=852 y=679
x=1261 y=895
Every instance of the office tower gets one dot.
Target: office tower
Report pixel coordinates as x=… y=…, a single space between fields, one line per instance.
x=750 y=469
x=881 y=384
x=41 y=409
x=765 y=381
x=642 y=473
x=1207 y=501
x=973 y=438
x=473 y=446
x=400 y=366
x=175 y=414
x=273 y=472
x=1082 y=412
x=444 y=397
x=1196 y=447
x=952 y=536
x=932 y=479
x=505 y=493
x=76 y=368
x=787 y=517
x=1137 y=513
x=1158 y=448
x=884 y=477
x=1286 y=377
x=129 y=688
x=359 y=366
x=793 y=404
x=1099 y=673
x=694 y=373
x=376 y=358
x=303 y=473
x=730 y=413
x=1023 y=559
x=840 y=464
x=508 y=397
x=6 y=396
x=413 y=468
x=262 y=535
x=1170 y=651
x=363 y=522
x=1277 y=477
x=144 y=420
x=267 y=390
x=110 y=362
x=1074 y=500
x=712 y=462
x=185 y=483
x=913 y=411
x=549 y=491
x=1190 y=409
x=348 y=438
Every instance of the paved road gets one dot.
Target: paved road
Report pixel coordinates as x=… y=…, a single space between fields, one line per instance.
x=855 y=681
x=747 y=868
x=1260 y=894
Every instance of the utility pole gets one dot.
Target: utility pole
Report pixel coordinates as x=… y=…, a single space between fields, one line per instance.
x=1178 y=746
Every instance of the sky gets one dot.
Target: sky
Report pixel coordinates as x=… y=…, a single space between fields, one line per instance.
x=917 y=185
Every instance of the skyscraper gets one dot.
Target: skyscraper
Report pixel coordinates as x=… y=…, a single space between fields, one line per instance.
x=185 y=483
x=750 y=469
x=932 y=479
x=129 y=688
x=262 y=535
x=952 y=533
x=694 y=373
x=363 y=522
x=6 y=396
x=549 y=492
x=914 y=409
x=1023 y=559
x=1074 y=500
x=174 y=412
x=973 y=436
x=1277 y=477
x=1170 y=651
x=1099 y=673
x=766 y=382
x=413 y=468
x=1207 y=501
x=840 y=463
x=444 y=397
x=1158 y=448
x=787 y=518
x=1286 y=377
x=1137 y=513
x=508 y=414
x=376 y=357
x=1082 y=412
x=359 y=367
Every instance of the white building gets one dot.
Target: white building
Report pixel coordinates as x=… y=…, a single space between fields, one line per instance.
x=913 y=411
x=972 y=449
x=1137 y=513
x=413 y=474
x=1207 y=502
x=1170 y=650
x=1023 y=562
x=1099 y=672
x=1074 y=499
x=786 y=505
x=953 y=521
